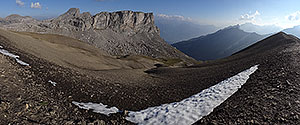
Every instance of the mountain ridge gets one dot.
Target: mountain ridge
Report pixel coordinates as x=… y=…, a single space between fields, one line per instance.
x=174 y=29
x=218 y=45
x=116 y=33
x=262 y=30
x=277 y=80
x=294 y=30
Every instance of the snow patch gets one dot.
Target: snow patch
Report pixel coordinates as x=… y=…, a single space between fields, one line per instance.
x=97 y=108
x=195 y=107
x=16 y=57
x=53 y=83
x=21 y=62
x=6 y=53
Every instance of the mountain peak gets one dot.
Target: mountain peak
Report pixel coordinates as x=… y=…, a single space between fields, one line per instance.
x=233 y=27
x=281 y=35
x=73 y=11
x=116 y=33
x=13 y=16
x=218 y=45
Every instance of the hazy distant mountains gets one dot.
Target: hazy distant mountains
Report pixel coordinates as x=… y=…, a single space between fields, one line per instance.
x=175 y=28
x=294 y=31
x=266 y=29
x=220 y=44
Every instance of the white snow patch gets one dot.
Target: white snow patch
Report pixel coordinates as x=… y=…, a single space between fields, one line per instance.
x=53 y=83
x=21 y=62
x=97 y=108
x=195 y=107
x=6 y=53
x=16 y=57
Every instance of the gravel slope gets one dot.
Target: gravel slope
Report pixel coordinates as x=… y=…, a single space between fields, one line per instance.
x=271 y=95
x=266 y=94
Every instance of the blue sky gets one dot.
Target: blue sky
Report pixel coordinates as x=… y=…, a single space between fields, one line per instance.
x=284 y=13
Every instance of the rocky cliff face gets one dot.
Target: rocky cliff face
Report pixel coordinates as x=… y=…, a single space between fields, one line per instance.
x=117 y=33
x=128 y=22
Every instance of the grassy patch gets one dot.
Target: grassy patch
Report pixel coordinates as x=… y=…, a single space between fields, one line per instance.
x=44 y=103
x=165 y=61
x=171 y=61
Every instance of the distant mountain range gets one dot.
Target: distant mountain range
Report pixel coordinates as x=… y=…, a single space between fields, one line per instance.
x=266 y=29
x=174 y=29
x=269 y=29
x=218 y=45
x=294 y=31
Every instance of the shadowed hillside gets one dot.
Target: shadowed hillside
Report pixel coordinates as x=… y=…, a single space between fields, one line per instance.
x=218 y=45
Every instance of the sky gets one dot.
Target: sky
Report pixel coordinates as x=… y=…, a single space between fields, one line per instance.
x=221 y=13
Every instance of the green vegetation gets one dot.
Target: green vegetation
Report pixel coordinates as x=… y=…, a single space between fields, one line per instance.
x=171 y=61
x=43 y=103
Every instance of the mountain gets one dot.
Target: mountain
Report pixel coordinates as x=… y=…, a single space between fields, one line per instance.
x=38 y=68
x=54 y=79
x=262 y=30
x=273 y=86
x=116 y=33
x=294 y=31
x=47 y=78
x=174 y=29
x=16 y=19
x=218 y=45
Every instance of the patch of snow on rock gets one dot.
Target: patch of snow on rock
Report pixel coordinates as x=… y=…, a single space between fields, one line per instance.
x=16 y=57
x=195 y=107
x=6 y=53
x=53 y=83
x=21 y=62
x=97 y=108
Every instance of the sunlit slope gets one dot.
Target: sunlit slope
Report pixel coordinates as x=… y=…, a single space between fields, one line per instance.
x=69 y=52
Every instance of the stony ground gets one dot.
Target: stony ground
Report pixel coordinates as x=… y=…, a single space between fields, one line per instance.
x=26 y=96
x=270 y=95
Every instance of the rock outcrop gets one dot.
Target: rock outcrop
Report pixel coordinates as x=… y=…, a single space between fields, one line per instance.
x=117 y=33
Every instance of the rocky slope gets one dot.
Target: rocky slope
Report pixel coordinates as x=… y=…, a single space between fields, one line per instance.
x=270 y=96
x=117 y=33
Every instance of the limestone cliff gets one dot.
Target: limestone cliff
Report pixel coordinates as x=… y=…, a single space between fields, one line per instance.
x=117 y=33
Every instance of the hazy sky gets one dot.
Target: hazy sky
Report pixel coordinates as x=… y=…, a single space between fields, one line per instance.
x=284 y=13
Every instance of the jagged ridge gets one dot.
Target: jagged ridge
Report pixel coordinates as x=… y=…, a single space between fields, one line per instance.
x=117 y=33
